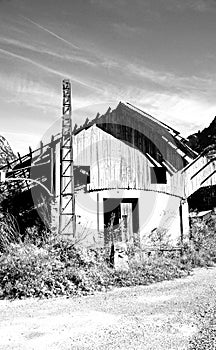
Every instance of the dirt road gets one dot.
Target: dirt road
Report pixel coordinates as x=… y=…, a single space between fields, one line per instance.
x=159 y=316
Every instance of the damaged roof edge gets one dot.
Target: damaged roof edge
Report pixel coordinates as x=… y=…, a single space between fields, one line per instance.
x=174 y=134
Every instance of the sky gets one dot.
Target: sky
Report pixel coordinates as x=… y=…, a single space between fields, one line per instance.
x=159 y=55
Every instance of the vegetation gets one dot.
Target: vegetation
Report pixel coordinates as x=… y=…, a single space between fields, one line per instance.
x=201 y=249
x=202 y=139
x=63 y=269
x=9 y=231
x=42 y=265
x=202 y=252
x=31 y=217
x=51 y=267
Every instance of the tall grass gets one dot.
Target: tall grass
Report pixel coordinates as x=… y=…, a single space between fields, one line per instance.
x=9 y=231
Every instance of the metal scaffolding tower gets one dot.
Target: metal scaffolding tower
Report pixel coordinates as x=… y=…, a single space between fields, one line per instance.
x=67 y=199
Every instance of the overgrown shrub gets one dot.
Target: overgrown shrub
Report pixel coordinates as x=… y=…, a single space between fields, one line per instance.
x=62 y=269
x=201 y=249
x=32 y=217
x=9 y=231
x=202 y=252
x=27 y=271
x=152 y=270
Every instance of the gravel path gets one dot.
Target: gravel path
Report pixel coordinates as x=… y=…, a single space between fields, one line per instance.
x=158 y=316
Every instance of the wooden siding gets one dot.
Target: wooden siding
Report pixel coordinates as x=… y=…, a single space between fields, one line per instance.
x=145 y=134
x=200 y=173
x=115 y=164
x=119 y=148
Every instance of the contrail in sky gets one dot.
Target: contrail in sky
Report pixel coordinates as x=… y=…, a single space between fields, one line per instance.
x=51 y=33
x=26 y=59
x=47 y=69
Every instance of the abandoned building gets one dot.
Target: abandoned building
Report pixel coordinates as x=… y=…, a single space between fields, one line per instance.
x=124 y=170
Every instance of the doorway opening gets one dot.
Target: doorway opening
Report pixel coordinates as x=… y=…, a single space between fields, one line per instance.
x=121 y=219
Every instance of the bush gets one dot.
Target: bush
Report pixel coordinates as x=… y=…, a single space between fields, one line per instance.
x=9 y=231
x=27 y=271
x=201 y=250
x=153 y=270
x=62 y=269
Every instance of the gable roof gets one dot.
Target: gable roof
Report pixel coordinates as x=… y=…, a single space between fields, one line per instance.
x=153 y=137
x=159 y=142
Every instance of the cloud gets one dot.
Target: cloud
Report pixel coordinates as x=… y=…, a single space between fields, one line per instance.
x=29 y=93
x=19 y=142
x=126 y=30
x=109 y=4
x=44 y=50
x=28 y=60
x=173 y=83
x=162 y=93
x=37 y=95
x=195 y=5
x=48 y=69
x=186 y=115
x=182 y=102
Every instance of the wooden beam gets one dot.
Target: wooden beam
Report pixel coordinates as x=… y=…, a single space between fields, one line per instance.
x=203 y=167
x=208 y=177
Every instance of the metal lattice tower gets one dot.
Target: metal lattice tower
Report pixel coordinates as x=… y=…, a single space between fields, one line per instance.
x=67 y=199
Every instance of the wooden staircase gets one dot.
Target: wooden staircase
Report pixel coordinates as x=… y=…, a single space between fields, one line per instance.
x=201 y=172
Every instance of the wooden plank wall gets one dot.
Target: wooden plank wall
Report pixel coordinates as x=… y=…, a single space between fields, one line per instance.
x=114 y=164
x=143 y=133
x=200 y=173
x=115 y=150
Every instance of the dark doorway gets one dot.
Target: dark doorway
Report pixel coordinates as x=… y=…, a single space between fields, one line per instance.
x=124 y=212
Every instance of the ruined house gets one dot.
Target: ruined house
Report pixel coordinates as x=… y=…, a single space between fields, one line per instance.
x=132 y=176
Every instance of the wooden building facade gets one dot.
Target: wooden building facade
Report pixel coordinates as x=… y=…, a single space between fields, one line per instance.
x=128 y=173
x=132 y=176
